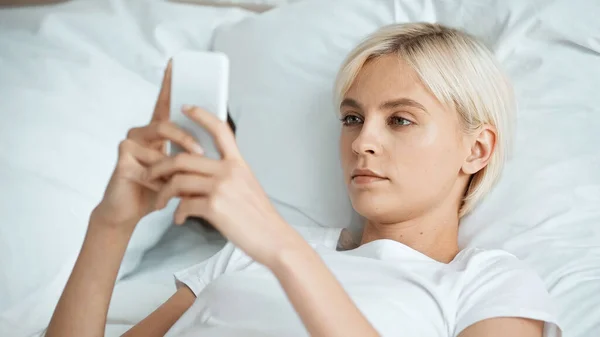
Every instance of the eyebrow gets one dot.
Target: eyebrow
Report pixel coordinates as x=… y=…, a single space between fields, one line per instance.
x=401 y=102
x=388 y=105
x=349 y=102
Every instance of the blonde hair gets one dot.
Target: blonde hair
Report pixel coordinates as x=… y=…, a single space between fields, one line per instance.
x=460 y=72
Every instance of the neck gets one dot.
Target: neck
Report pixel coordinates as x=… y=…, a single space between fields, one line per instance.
x=435 y=234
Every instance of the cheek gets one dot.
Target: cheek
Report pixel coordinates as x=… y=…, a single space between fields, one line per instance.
x=424 y=153
x=429 y=137
x=346 y=154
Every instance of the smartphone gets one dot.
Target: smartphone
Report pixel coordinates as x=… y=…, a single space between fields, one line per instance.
x=199 y=78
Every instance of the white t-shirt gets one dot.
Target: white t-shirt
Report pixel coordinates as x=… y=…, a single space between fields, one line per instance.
x=401 y=291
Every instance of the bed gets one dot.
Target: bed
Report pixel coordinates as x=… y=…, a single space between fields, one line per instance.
x=71 y=60
x=64 y=69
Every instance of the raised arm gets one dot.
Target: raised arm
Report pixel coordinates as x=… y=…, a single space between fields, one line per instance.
x=307 y=281
x=83 y=305
x=163 y=318
x=129 y=196
x=226 y=193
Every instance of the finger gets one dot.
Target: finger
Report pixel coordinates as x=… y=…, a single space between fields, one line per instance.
x=184 y=163
x=183 y=185
x=195 y=206
x=135 y=172
x=144 y=155
x=151 y=185
x=162 y=107
x=162 y=131
x=220 y=131
x=134 y=160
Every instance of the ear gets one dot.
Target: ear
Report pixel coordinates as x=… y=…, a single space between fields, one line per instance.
x=482 y=146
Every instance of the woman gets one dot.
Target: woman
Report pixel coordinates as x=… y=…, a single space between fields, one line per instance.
x=425 y=114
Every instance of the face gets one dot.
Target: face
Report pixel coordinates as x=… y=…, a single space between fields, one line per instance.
x=403 y=152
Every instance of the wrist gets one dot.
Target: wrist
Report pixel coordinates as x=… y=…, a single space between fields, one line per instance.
x=291 y=255
x=100 y=219
x=112 y=239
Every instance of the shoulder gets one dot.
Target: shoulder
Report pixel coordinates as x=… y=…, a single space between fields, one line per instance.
x=487 y=272
x=493 y=271
x=482 y=266
x=495 y=283
x=481 y=262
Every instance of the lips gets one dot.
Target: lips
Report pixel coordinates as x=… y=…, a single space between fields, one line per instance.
x=365 y=176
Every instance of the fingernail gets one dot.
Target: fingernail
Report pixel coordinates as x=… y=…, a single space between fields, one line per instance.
x=198 y=149
x=186 y=108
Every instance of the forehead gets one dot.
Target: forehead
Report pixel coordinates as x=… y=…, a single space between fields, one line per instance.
x=388 y=77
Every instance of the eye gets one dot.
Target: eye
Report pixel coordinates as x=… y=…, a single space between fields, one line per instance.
x=399 y=121
x=350 y=120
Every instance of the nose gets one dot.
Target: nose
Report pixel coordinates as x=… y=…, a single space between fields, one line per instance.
x=367 y=142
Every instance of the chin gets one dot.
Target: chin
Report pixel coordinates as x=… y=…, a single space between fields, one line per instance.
x=370 y=205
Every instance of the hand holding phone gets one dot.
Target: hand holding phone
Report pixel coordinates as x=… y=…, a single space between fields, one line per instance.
x=200 y=79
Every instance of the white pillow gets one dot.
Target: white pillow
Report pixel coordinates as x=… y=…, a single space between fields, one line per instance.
x=255 y=5
x=74 y=78
x=282 y=66
x=546 y=207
